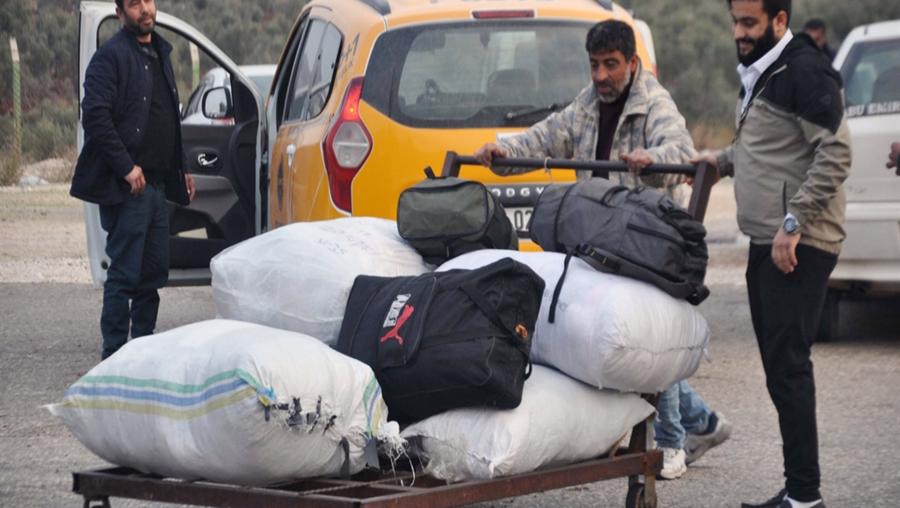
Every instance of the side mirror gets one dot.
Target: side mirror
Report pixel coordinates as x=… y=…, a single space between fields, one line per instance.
x=217 y=103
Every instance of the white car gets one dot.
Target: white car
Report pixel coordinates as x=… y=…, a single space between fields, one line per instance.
x=869 y=62
x=260 y=75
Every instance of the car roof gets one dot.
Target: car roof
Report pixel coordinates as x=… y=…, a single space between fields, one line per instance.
x=879 y=30
x=403 y=12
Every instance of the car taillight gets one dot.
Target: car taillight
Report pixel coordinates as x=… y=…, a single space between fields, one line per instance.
x=346 y=147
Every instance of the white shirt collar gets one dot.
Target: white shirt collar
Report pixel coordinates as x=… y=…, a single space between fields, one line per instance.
x=750 y=75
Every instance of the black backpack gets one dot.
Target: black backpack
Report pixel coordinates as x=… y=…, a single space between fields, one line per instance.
x=445 y=340
x=444 y=217
x=639 y=233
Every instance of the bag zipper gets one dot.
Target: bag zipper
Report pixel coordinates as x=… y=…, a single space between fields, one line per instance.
x=746 y=110
x=784 y=210
x=445 y=339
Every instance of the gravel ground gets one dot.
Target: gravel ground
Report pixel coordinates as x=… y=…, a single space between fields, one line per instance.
x=49 y=337
x=42 y=236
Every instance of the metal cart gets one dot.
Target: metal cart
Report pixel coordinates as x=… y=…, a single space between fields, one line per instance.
x=408 y=488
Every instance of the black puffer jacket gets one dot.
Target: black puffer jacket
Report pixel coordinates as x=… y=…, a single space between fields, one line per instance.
x=114 y=112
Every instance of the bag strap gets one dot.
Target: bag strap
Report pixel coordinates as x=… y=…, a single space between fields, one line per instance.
x=604 y=261
x=558 y=289
x=604 y=200
x=429 y=173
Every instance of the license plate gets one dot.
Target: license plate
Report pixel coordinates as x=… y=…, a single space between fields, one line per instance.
x=519 y=217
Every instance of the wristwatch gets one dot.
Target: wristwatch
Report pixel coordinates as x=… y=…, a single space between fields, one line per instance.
x=790 y=224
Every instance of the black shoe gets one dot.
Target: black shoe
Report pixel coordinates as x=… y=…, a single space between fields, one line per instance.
x=775 y=502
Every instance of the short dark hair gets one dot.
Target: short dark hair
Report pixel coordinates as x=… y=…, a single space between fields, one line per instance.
x=120 y=4
x=773 y=7
x=611 y=35
x=814 y=24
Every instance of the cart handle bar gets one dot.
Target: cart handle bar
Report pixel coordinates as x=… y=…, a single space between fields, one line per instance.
x=704 y=175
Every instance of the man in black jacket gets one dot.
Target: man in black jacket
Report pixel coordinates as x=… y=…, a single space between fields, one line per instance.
x=131 y=162
x=789 y=159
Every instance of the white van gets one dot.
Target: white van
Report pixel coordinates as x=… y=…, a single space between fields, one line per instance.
x=869 y=62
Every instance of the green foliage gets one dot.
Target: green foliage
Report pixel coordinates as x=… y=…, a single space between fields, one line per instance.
x=48 y=130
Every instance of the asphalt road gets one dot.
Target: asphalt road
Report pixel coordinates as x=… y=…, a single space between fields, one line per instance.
x=49 y=337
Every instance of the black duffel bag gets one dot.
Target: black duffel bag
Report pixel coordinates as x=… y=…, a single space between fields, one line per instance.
x=639 y=233
x=445 y=217
x=445 y=340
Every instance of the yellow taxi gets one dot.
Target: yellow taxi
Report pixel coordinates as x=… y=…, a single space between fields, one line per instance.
x=370 y=92
x=367 y=93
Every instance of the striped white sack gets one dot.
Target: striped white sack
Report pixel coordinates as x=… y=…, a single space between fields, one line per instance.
x=229 y=401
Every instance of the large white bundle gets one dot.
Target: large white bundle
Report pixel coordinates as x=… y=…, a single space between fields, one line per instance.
x=218 y=400
x=298 y=277
x=610 y=331
x=559 y=421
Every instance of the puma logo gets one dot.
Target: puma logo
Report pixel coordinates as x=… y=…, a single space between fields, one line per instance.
x=394 y=333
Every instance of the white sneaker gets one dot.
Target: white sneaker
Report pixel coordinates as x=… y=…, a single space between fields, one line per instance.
x=697 y=444
x=673 y=464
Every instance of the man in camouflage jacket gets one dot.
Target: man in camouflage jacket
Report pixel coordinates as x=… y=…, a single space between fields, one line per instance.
x=624 y=114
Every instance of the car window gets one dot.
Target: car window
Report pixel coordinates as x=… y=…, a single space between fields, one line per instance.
x=327 y=62
x=477 y=74
x=871 y=76
x=262 y=83
x=305 y=70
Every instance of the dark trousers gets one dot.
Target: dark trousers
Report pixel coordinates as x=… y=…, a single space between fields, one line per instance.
x=786 y=311
x=137 y=244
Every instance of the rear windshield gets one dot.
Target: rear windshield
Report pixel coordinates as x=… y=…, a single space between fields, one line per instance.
x=871 y=76
x=477 y=74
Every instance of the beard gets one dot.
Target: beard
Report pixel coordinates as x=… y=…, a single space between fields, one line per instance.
x=617 y=91
x=761 y=46
x=135 y=26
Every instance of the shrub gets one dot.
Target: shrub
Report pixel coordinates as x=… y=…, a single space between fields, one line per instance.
x=48 y=131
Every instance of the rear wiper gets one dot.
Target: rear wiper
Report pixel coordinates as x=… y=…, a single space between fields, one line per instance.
x=556 y=106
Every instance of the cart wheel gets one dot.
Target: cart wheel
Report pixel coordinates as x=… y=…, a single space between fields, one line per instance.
x=635 y=496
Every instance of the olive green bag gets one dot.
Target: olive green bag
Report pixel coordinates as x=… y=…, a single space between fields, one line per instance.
x=444 y=217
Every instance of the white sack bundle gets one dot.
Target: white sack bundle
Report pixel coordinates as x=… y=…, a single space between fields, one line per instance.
x=298 y=277
x=559 y=421
x=610 y=331
x=230 y=402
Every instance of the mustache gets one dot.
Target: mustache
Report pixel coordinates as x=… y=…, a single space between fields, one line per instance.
x=746 y=40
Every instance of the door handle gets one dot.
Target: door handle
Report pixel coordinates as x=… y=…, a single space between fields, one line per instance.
x=291 y=150
x=206 y=160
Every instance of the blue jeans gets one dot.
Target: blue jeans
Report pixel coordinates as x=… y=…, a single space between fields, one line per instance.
x=137 y=244
x=680 y=411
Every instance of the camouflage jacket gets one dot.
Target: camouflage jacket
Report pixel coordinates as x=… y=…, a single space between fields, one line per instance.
x=650 y=120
